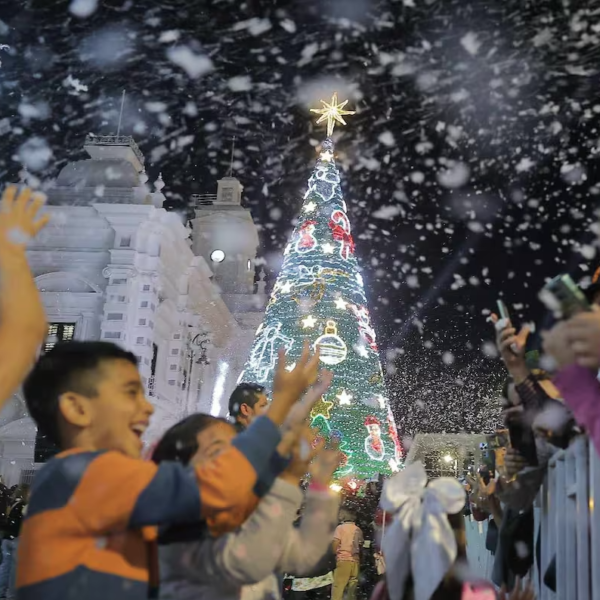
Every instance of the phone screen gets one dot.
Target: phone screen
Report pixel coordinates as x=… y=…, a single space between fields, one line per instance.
x=503 y=310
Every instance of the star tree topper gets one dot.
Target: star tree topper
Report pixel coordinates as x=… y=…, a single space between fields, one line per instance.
x=332 y=113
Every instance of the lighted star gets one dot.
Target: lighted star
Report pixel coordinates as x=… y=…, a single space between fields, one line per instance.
x=344 y=398
x=341 y=304
x=362 y=351
x=309 y=322
x=310 y=207
x=321 y=408
x=286 y=287
x=332 y=113
x=327 y=156
x=328 y=248
x=290 y=368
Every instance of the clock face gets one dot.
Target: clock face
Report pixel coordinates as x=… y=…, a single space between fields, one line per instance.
x=217 y=256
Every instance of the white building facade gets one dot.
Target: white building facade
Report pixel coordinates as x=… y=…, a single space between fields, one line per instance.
x=114 y=265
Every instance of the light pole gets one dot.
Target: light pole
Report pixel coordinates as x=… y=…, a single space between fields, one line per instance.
x=197 y=348
x=448 y=458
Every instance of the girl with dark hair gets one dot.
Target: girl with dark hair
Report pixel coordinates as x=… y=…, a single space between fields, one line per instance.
x=425 y=546
x=247 y=563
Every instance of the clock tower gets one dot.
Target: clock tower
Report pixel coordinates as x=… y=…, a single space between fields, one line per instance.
x=226 y=237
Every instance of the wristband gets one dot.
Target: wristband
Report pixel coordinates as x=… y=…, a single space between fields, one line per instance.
x=316 y=486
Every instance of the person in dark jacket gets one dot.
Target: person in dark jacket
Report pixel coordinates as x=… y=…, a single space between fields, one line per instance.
x=8 y=568
x=247 y=402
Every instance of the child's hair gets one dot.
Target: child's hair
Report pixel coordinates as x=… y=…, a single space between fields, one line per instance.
x=244 y=393
x=68 y=367
x=180 y=442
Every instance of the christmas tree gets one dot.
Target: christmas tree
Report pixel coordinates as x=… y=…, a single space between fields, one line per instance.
x=319 y=296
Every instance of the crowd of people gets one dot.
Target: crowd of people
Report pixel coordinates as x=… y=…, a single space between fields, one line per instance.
x=244 y=508
x=549 y=401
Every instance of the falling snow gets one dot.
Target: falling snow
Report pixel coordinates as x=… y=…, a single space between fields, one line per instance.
x=476 y=137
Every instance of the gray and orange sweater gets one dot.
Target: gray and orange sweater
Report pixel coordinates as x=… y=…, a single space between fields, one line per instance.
x=91 y=527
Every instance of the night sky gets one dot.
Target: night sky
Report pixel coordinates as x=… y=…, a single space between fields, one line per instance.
x=470 y=169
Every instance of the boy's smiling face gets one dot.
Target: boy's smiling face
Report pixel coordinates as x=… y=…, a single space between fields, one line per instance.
x=114 y=415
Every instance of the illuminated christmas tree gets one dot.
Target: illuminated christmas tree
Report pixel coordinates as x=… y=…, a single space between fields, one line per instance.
x=319 y=296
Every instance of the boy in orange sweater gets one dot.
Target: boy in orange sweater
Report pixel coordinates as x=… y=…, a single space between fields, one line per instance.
x=91 y=525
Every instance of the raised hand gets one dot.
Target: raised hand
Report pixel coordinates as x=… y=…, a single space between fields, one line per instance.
x=583 y=332
x=305 y=447
x=301 y=410
x=288 y=386
x=511 y=346
x=19 y=221
x=324 y=466
x=514 y=462
x=22 y=315
x=557 y=343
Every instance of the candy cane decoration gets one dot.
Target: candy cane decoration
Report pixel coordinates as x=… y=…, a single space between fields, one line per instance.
x=340 y=228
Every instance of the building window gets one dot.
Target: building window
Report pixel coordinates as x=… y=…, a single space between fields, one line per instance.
x=118 y=281
x=144 y=304
x=112 y=335
x=26 y=476
x=176 y=336
x=173 y=367
x=171 y=382
x=142 y=322
x=174 y=351
x=146 y=288
x=139 y=340
x=114 y=317
x=121 y=298
x=125 y=241
x=59 y=332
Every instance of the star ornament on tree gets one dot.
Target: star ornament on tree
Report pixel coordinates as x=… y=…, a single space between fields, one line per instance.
x=332 y=113
x=309 y=322
x=321 y=408
x=344 y=397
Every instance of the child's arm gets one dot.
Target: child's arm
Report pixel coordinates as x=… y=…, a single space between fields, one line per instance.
x=23 y=326
x=307 y=544
x=252 y=553
x=116 y=492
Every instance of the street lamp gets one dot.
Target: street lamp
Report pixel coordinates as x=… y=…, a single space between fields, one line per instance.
x=448 y=458
x=197 y=348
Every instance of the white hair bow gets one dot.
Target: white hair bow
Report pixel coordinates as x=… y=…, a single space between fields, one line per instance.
x=420 y=538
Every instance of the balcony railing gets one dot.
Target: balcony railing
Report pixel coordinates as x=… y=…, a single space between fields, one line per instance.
x=115 y=140
x=203 y=199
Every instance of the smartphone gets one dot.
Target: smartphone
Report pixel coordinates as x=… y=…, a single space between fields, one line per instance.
x=523 y=440
x=562 y=296
x=505 y=315
x=503 y=310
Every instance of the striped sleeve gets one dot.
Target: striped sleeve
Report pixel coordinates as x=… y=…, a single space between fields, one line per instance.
x=117 y=492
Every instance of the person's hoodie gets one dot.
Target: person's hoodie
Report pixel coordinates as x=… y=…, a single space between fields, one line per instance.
x=246 y=564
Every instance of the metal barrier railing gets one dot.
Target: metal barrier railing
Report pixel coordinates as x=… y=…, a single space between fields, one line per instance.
x=570 y=530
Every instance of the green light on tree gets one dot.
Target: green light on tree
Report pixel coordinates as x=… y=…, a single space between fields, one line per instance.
x=319 y=296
